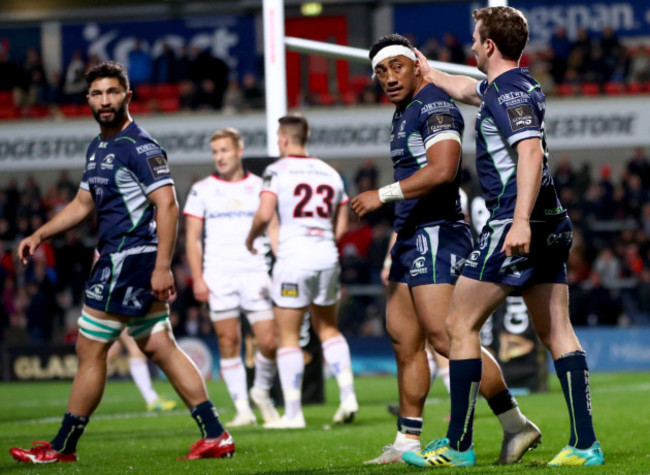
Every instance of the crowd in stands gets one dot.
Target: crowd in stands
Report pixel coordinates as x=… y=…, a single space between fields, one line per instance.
x=190 y=79
x=609 y=265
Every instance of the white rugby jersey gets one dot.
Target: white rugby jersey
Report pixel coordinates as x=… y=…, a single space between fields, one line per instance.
x=227 y=209
x=309 y=192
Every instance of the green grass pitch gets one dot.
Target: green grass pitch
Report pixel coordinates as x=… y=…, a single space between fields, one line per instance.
x=123 y=438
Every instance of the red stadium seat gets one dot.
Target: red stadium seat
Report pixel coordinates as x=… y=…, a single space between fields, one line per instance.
x=6 y=99
x=565 y=89
x=167 y=91
x=635 y=88
x=359 y=83
x=169 y=105
x=590 y=89
x=139 y=108
x=144 y=92
x=74 y=110
x=614 y=88
x=9 y=112
x=39 y=112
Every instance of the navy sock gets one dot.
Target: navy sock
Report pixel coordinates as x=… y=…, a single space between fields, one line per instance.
x=207 y=419
x=72 y=427
x=573 y=373
x=502 y=402
x=465 y=379
x=409 y=425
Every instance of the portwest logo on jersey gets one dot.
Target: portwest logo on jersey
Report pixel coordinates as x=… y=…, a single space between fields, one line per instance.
x=107 y=162
x=146 y=148
x=132 y=298
x=96 y=292
x=418 y=267
x=421 y=244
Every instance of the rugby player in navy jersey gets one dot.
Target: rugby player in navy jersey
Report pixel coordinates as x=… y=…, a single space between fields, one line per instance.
x=431 y=245
x=127 y=183
x=524 y=246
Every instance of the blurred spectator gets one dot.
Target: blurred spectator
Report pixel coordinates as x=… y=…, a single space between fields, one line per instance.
x=595 y=305
x=253 y=94
x=164 y=66
x=612 y=50
x=366 y=176
x=564 y=176
x=210 y=77
x=38 y=91
x=560 y=49
x=639 y=165
x=12 y=77
x=456 y=50
x=140 y=64
x=74 y=85
x=608 y=267
x=233 y=99
x=640 y=65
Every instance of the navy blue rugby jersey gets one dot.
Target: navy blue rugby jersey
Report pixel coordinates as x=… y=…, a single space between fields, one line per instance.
x=430 y=113
x=512 y=110
x=120 y=172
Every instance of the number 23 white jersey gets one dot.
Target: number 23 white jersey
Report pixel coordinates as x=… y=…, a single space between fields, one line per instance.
x=309 y=192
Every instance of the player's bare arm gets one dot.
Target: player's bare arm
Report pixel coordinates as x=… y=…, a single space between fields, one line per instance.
x=442 y=167
x=162 y=280
x=529 y=180
x=272 y=231
x=340 y=222
x=194 y=247
x=262 y=218
x=70 y=216
x=461 y=88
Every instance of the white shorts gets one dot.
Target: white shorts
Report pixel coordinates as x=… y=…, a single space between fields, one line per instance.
x=248 y=291
x=298 y=288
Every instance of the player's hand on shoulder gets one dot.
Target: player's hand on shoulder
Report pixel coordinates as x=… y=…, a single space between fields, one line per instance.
x=366 y=202
x=162 y=284
x=27 y=247
x=201 y=290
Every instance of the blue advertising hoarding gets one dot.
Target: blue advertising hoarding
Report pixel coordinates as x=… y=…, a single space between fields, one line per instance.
x=627 y=18
x=231 y=38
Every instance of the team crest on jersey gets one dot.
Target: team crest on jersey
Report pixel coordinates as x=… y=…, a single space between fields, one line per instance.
x=521 y=117
x=96 y=292
x=418 y=267
x=107 y=162
x=472 y=260
x=289 y=290
x=483 y=240
x=158 y=166
x=421 y=244
x=401 y=134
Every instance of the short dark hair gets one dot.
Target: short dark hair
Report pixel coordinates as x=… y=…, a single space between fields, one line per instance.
x=296 y=127
x=108 y=69
x=506 y=26
x=388 y=40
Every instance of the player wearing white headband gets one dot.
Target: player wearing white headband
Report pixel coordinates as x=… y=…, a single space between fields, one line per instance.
x=432 y=242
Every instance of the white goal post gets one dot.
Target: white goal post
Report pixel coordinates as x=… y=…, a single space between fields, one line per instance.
x=275 y=43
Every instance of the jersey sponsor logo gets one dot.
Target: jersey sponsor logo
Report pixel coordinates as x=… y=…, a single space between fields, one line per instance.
x=107 y=162
x=559 y=238
x=96 y=292
x=438 y=106
x=98 y=180
x=439 y=122
x=418 y=267
x=471 y=261
x=102 y=145
x=91 y=165
x=266 y=180
x=106 y=273
x=132 y=298
x=158 y=166
x=289 y=290
x=514 y=97
x=421 y=244
x=147 y=147
x=521 y=117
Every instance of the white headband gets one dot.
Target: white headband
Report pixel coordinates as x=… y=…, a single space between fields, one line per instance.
x=390 y=52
